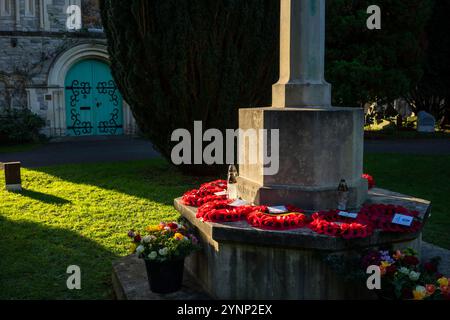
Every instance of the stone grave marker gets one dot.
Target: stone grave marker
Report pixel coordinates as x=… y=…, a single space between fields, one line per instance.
x=13 y=181
x=425 y=122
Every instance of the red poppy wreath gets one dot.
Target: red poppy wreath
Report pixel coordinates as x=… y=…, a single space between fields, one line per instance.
x=221 y=211
x=332 y=224
x=205 y=193
x=381 y=216
x=263 y=220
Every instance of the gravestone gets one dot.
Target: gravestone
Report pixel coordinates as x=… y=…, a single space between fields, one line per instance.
x=425 y=122
x=13 y=180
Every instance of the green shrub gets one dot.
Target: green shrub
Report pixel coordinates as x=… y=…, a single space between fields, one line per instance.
x=19 y=126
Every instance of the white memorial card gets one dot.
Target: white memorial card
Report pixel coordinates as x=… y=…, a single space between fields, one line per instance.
x=238 y=203
x=277 y=209
x=403 y=220
x=221 y=193
x=348 y=214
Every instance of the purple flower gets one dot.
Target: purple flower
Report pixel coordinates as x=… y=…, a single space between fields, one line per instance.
x=131 y=234
x=385 y=256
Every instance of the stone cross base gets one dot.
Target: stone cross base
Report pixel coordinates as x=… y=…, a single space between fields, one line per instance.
x=317 y=148
x=238 y=261
x=307 y=198
x=301 y=95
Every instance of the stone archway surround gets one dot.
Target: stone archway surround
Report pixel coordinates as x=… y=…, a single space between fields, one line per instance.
x=56 y=114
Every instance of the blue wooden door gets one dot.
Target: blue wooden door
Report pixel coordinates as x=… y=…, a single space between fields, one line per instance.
x=93 y=102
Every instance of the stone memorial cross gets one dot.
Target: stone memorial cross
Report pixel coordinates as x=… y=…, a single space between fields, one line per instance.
x=302 y=56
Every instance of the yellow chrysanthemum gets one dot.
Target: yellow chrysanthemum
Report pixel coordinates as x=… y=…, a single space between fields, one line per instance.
x=152 y=228
x=385 y=264
x=133 y=247
x=443 y=281
x=420 y=293
x=178 y=236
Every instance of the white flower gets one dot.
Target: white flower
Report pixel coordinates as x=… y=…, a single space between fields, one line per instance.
x=163 y=251
x=421 y=289
x=140 y=249
x=414 y=276
x=152 y=255
x=147 y=239
x=404 y=270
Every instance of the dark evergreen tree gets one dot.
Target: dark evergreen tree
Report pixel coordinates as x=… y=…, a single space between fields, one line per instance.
x=432 y=92
x=374 y=65
x=176 y=61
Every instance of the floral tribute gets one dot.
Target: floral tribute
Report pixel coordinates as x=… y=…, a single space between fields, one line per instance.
x=381 y=215
x=221 y=211
x=403 y=277
x=370 y=180
x=330 y=223
x=260 y=218
x=164 y=242
x=206 y=193
x=216 y=208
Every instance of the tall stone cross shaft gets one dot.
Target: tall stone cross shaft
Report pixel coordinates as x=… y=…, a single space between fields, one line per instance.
x=302 y=56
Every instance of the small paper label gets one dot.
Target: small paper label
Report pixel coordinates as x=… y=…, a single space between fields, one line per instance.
x=403 y=220
x=348 y=214
x=221 y=193
x=277 y=209
x=238 y=203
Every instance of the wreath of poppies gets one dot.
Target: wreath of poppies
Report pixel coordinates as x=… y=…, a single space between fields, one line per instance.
x=332 y=224
x=381 y=215
x=221 y=211
x=214 y=208
x=205 y=194
x=295 y=218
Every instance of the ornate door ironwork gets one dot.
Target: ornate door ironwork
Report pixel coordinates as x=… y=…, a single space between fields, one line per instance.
x=93 y=102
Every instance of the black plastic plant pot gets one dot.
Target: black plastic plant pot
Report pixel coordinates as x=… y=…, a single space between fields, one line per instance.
x=165 y=277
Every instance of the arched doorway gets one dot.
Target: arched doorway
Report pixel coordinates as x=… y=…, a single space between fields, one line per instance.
x=93 y=102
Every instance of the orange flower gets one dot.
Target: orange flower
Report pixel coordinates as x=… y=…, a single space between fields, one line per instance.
x=398 y=255
x=161 y=226
x=383 y=270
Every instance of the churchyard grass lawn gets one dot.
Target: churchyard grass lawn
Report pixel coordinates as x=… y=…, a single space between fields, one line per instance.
x=79 y=215
x=423 y=176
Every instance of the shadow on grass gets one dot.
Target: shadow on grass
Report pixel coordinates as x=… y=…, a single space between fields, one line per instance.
x=35 y=257
x=43 y=197
x=154 y=179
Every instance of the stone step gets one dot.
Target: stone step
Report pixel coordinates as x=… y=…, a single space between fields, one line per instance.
x=130 y=278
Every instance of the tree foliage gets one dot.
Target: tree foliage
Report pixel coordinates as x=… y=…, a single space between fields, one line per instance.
x=176 y=61
x=374 y=65
x=432 y=92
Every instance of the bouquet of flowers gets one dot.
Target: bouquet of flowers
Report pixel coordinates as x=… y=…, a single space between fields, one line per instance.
x=403 y=277
x=164 y=242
